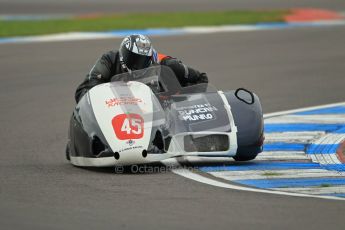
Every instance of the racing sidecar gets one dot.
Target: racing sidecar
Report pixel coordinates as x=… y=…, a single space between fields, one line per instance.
x=147 y=116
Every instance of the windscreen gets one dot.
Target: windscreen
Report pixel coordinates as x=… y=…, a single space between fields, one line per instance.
x=161 y=79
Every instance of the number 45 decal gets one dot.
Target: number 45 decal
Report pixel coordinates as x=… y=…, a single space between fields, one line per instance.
x=128 y=126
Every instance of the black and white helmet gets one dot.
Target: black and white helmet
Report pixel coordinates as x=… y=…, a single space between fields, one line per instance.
x=136 y=52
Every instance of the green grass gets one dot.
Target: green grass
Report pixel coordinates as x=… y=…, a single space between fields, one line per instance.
x=138 y=21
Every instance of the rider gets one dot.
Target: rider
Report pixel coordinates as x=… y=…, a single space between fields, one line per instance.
x=136 y=52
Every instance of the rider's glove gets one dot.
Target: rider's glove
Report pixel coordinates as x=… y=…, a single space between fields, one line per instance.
x=203 y=78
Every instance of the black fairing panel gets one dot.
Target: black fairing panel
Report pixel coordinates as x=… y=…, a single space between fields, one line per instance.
x=85 y=131
x=248 y=119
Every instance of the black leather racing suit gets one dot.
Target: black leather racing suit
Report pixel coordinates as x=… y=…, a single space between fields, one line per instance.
x=109 y=65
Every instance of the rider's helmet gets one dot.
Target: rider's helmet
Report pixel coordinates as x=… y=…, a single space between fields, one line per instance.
x=136 y=52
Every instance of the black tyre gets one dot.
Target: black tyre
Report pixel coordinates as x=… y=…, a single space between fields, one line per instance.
x=67 y=153
x=247 y=153
x=246 y=157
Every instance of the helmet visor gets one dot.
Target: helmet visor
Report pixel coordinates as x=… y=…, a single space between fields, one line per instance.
x=135 y=61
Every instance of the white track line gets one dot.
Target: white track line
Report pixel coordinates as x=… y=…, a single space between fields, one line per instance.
x=274 y=174
x=317 y=119
x=325 y=159
x=314 y=190
x=282 y=155
x=302 y=109
x=202 y=179
x=332 y=138
x=293 y=137
x=166 y=31
x=264 y=156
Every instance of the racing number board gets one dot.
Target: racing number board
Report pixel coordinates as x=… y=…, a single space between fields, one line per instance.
x=128 y=126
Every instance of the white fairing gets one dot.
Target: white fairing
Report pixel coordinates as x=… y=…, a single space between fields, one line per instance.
x=116 y=98
x=154 y=114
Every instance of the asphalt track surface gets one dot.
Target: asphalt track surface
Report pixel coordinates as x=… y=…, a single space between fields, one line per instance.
x=92 y=6
x=41 y=190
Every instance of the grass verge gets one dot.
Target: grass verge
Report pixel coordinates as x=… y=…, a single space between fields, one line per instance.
x=137 y=21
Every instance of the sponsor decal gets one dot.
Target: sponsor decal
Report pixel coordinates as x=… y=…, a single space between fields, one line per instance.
x=130 y=148
x=130 y=142
x=128 y=126
x=122 y=101
x=197 y=112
